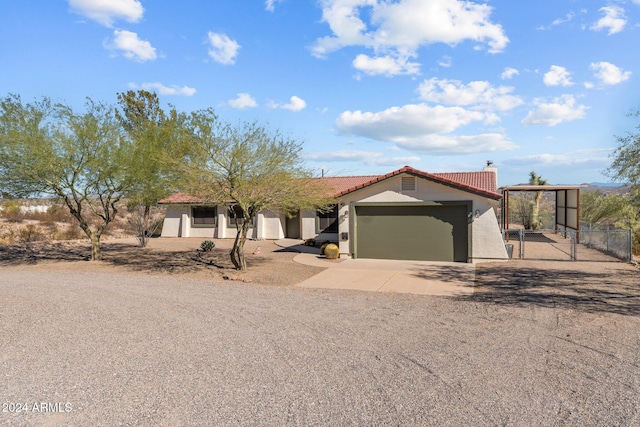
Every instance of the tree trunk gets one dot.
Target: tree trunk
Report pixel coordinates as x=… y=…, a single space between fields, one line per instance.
x=535 y=215
x=237 y=252
x=96 y=254
x=146 y=224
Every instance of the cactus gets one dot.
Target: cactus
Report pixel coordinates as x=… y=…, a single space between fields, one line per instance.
x=331 y=251
x=207 y=246
x=323 y=246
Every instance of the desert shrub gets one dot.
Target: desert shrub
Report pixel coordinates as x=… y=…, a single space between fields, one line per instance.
x=57 y=213
x=11 y=210
x=310 y=242
x=30 y=233
x=323 y=245
x=72 y=232
x=207 y=245
x=7 y=235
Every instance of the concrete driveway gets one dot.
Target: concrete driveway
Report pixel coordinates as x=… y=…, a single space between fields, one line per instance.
x=412 y=277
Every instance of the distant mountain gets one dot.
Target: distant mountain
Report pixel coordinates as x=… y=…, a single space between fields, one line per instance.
x=607 y=187
x=605 y=184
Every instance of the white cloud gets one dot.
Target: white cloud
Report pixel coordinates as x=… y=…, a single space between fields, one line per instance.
x=613 y=20
x=131 y=46
x=105 y=12
x=417 y=127
x=366 y=157
x=397 y=29
x=576 y=158
x=398 y=123
x=557 y=76
x=270 y=5
x=445 y=62
x=242 y=101
x=223 y=50
x=479 y=94
x=459 y=144
x=385 y=65
x=295 y=104
x=165 y=90
x=563 y=109
x=509 y=73
x=608 y=73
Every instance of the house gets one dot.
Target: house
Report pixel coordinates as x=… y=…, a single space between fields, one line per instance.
x=405 y=214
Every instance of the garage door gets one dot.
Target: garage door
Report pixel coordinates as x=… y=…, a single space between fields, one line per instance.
x=426 y=233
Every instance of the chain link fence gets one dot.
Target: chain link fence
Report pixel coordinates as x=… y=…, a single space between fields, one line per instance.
x=588 y=244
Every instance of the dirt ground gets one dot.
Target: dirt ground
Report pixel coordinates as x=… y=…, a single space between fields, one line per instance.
x=268 y=265
x=539 y=281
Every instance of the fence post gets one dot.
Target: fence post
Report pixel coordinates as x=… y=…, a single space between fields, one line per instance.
x=521 y=236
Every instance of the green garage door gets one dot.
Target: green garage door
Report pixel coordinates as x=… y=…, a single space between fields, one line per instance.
x=425 y=233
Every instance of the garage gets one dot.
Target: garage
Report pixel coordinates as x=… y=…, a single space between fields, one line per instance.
x=421 y=232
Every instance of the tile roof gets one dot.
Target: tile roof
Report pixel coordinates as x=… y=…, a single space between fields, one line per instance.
x=482 y=183
x=180 y=198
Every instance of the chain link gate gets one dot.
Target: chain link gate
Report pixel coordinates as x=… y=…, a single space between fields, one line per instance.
x=570 y=245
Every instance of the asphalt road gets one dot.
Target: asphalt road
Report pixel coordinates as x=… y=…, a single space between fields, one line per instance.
x=100 y=349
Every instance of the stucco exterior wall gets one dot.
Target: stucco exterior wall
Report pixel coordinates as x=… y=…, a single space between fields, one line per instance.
x=172 y=225
x=178 y=223
x=486 y=240
x=271 y=225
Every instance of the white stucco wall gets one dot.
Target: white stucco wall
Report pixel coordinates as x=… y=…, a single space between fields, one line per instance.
x=271 y=225
x=486 y=240
x=172 y=226
x=178 y=223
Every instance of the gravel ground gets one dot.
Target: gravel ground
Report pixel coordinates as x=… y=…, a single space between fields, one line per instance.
x=109 y=347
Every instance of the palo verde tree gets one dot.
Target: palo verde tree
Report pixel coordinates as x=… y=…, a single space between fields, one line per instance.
x=48 y=149
x=158 y=144
x=626 y=158
x=249 y=169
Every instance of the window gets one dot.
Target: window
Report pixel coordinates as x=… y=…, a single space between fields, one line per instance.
x=203 y=216
x=236 y=216
x=327 y=222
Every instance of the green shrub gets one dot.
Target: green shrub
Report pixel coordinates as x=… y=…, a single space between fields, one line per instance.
x=12 y=210
x=207 y=246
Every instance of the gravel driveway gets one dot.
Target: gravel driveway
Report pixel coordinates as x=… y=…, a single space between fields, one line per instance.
x=117 y=348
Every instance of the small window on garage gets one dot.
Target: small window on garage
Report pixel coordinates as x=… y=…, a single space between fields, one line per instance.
x=408 y=183
x=327 y=222
x=203 y=216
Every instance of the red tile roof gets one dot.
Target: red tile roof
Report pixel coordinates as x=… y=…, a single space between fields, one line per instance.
x=481 y=183
x=180 y=198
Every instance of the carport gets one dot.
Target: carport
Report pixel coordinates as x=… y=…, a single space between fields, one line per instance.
x=567 y=212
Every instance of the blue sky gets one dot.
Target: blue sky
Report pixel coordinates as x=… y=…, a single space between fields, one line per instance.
x=368 y=85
